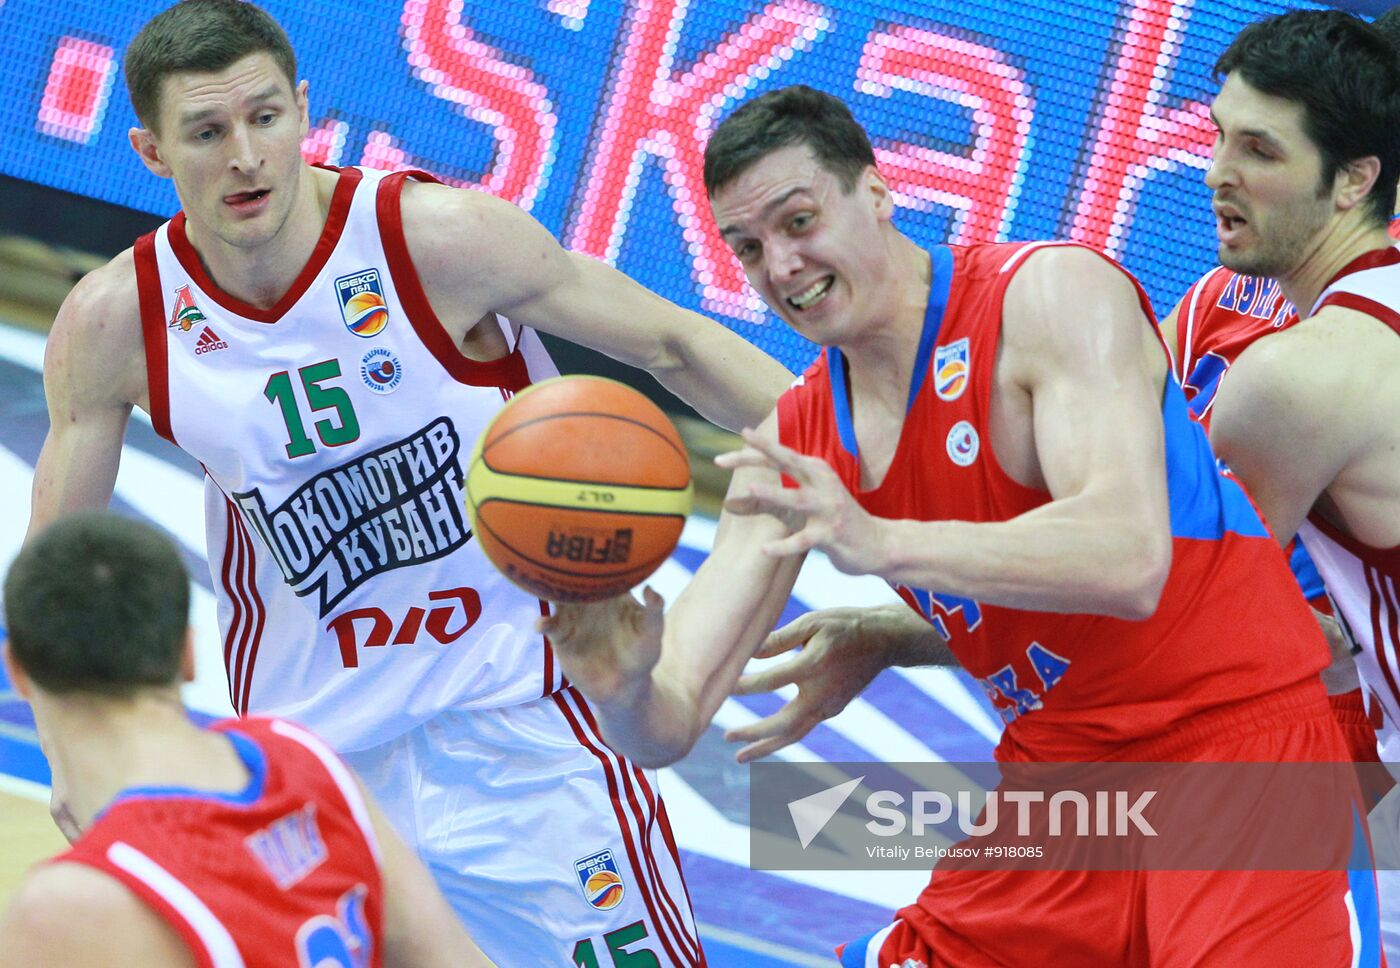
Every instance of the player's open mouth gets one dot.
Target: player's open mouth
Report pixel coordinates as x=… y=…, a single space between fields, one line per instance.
x=246 y=201
x=813 y=295
x=1228 y=227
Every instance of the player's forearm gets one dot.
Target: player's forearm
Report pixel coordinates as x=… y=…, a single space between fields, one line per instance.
x=727 y=379
x=653 y=723
x=1045 y=560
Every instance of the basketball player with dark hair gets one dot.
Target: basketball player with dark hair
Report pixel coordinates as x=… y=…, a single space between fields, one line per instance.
x=993 y=429
x=1304 y=178
x=245 y=844
x=328 y=343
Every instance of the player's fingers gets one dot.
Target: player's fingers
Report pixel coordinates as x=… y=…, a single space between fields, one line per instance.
x=800 y=467
x=766 y=680
x=746 y=457
x=784 y=727
x=794 y=544
x=760 y=499
x=789 y=637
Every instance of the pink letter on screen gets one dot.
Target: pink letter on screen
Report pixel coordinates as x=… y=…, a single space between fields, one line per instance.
x=649 y=109
x=1137 y=134
x=982 y=185
x=445 y=55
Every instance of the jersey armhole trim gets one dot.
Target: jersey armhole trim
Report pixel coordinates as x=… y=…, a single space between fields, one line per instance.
x=209 y=940
x=509 y=372
x=1361 y=304
x=153 y=337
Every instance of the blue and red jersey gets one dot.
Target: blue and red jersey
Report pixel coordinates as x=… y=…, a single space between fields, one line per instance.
x=283 y=872
x=1230 y=624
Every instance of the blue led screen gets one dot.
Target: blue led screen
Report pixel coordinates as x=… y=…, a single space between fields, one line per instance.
x=993 y=119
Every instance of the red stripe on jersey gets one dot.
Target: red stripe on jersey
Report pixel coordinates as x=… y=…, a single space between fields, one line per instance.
x=508 y=372
x=320 y=255
x=548 y=656
x=638 y=872
x=646 y=818
x=237 y=587
x=1386 y=658
x=153 y=335
x=1387 y=560
x=250 y=578
x=1350 y=300
x=670 y=839
x=240 y=610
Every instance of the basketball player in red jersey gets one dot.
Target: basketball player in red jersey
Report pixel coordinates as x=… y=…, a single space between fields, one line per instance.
x=246 y=844
x=325 y=343
x=993 y=430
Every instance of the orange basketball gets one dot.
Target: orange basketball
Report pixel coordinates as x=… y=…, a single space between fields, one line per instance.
x=578 y=489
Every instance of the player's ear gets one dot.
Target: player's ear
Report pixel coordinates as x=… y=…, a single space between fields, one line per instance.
x=187 y=656
x=18 y=677
x=873 y=183
x=143 y=142
x=1355 y=180
x=303 y=106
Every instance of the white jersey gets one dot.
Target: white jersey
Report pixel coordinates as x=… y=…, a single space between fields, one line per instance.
x=334 y=429
x=1364 y=582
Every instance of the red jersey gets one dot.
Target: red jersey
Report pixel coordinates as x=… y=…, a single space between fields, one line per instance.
x=285 y=872
x=1230 y=624
x=1221 y=314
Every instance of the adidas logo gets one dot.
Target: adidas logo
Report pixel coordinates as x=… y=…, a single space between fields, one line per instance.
x=208 y=342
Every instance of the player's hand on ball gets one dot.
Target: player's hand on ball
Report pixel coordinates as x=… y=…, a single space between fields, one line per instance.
x=607 y=648
x=840 y=650
x=819 y=512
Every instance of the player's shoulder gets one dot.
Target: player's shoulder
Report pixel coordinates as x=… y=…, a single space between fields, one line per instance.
x=71 y=914
x=106 y=293
x=1294 y=374
x=103 y=306
x=456 y=216
x=1060 y=274
x=464 y=239
x=1061 y=294
x=96 y=335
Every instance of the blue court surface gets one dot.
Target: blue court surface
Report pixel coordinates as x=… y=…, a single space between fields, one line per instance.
x=748 y=919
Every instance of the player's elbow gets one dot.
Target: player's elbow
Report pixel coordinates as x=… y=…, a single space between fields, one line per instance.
x=1139 y=582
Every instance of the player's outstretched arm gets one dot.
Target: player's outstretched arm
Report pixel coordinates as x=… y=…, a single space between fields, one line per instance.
x=838 y=651
x=94 y=370
x=656 y=683
x=420 y=929
x=490 y=255
x=67 y=915
x=1090 y=371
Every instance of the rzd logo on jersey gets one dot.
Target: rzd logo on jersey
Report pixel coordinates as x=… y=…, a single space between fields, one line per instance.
x=362 y=304
x=600 y=880
x=951 y=369
x=184 y=314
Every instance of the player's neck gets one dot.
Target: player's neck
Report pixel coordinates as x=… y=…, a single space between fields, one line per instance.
x=881 y=355
x=101 y=748
x=1341 y=244
x=260 y=275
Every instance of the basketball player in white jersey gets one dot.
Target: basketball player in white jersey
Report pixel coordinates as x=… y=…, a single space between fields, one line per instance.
x=1304 y=177
x=328 y=344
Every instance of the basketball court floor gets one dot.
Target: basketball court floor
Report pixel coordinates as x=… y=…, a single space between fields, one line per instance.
x=749 y=919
